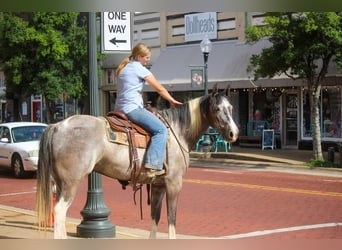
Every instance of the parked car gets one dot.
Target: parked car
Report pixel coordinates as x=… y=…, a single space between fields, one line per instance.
x=19 y=146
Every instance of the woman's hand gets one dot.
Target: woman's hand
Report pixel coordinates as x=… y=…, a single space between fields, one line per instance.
x=175 y=103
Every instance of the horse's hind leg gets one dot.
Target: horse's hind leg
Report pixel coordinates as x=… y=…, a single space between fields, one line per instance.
x=157 y=195
x=60 y=212
x=60 y=219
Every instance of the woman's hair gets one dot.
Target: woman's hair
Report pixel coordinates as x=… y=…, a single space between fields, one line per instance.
x=139 y=50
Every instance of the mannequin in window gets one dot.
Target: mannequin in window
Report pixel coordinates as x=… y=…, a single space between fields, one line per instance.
x=257 y=115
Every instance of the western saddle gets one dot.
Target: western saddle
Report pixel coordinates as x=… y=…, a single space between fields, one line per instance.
x=137 y=137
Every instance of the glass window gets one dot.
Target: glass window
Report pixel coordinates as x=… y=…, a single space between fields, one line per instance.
x=330 y=114
x=29 y=133
x=306 y=120
x=5 y=134
x=110 y=76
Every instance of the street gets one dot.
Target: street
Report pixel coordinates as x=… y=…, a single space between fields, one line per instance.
x=221 y=200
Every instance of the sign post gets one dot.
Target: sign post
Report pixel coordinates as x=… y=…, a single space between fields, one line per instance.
x=116 y=32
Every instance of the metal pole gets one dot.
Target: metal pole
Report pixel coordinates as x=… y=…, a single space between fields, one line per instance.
x=207 y=141
x=205 y=57
x=95 y=223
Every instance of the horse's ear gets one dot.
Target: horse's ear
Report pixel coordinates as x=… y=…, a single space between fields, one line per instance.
x=227 y=91
x=215 y=90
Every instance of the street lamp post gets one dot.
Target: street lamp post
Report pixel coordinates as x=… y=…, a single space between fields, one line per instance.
x=205 y=46
x=95 y=223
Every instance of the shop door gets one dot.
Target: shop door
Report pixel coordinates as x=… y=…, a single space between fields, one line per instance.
x=36 y=112
x=291 y=119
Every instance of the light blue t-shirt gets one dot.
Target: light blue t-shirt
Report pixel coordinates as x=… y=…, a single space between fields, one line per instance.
x=129 y=87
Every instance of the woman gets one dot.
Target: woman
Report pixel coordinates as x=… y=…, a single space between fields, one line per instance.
x=131 y=75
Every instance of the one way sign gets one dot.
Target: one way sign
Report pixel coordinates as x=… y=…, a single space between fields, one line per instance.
x=116 y=32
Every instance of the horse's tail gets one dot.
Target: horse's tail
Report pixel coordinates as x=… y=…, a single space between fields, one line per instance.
x=44 y=177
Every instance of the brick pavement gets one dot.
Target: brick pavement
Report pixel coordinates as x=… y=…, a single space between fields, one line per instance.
x=18 y=223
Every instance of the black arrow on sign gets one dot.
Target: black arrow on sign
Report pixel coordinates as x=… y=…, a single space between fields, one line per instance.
x=114 y=41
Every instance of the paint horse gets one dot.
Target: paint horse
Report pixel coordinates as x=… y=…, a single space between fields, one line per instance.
x=73 y=148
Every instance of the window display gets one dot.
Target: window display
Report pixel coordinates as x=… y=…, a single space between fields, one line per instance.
x=330 y=114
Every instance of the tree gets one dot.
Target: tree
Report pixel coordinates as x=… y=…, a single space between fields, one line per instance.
x=44 y=53
x=303 y=47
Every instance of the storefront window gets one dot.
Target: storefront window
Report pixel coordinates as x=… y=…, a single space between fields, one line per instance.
x=110 y=76
x=267 y=107
x=306 y=120
x=330 y=114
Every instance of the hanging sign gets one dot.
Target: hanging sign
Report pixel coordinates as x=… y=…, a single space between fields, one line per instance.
x=199 y=25
x=197 y=78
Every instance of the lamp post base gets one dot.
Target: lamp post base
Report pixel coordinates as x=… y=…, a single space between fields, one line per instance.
x=95 y=223
x=96 y=229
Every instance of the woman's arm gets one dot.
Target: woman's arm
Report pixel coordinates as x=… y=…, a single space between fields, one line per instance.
x=161 y=90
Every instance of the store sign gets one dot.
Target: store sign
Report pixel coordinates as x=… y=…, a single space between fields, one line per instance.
x=197 y=26
x=116 y=32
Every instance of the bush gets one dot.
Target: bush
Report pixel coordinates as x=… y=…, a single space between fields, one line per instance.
x=320 y=163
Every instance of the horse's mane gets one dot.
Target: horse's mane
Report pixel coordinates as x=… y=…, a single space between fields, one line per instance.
x=187 y=117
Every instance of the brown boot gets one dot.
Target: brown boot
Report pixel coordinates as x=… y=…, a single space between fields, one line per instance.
x=152 y=172
x=149 y=175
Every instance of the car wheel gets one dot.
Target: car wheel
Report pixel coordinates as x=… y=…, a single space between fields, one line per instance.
x=17 y=167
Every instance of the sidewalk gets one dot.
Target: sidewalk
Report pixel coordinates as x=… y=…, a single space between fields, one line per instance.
x=21 y=224
x=287 y=156
x=17 y=223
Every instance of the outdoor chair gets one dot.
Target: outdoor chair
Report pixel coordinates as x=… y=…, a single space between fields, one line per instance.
x=219 y=142
x=198 y=143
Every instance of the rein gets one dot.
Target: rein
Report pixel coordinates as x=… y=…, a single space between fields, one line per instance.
x=148 y=186
x=177 y=139
x=184 y=151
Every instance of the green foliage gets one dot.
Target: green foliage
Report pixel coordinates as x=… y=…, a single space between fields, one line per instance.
x=303 y=44
x=321 y=163
x=44 y=53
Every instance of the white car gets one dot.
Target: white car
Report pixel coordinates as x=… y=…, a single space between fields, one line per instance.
x=19 y=146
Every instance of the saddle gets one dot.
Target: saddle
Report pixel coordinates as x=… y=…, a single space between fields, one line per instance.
x=135 y=136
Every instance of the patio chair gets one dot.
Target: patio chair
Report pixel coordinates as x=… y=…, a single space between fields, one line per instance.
x=198 y=143
x=220 y=141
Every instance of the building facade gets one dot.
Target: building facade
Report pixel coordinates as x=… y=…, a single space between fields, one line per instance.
x=177 y=62
x=281 y=102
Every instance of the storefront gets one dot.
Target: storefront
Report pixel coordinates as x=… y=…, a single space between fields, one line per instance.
x=281 y=102
x=330 y=115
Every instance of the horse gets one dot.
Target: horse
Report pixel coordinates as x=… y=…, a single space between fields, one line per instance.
x=67 y=153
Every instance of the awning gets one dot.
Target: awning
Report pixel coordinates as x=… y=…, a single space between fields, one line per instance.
x=227 y=64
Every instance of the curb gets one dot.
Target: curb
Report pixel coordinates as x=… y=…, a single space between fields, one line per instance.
x=253 y=159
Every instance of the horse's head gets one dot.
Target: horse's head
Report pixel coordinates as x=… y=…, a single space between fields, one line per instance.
x=221 y=114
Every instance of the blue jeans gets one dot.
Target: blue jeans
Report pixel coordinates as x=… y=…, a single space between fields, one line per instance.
x=155 y=152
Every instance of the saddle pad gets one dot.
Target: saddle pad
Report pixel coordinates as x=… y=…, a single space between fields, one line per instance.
x=122 y=137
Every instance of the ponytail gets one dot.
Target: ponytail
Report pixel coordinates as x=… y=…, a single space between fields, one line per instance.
x=122 y=65
x=139 y=49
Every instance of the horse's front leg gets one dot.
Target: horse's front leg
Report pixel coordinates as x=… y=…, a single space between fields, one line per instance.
x=157 y=195
x=172 y=192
